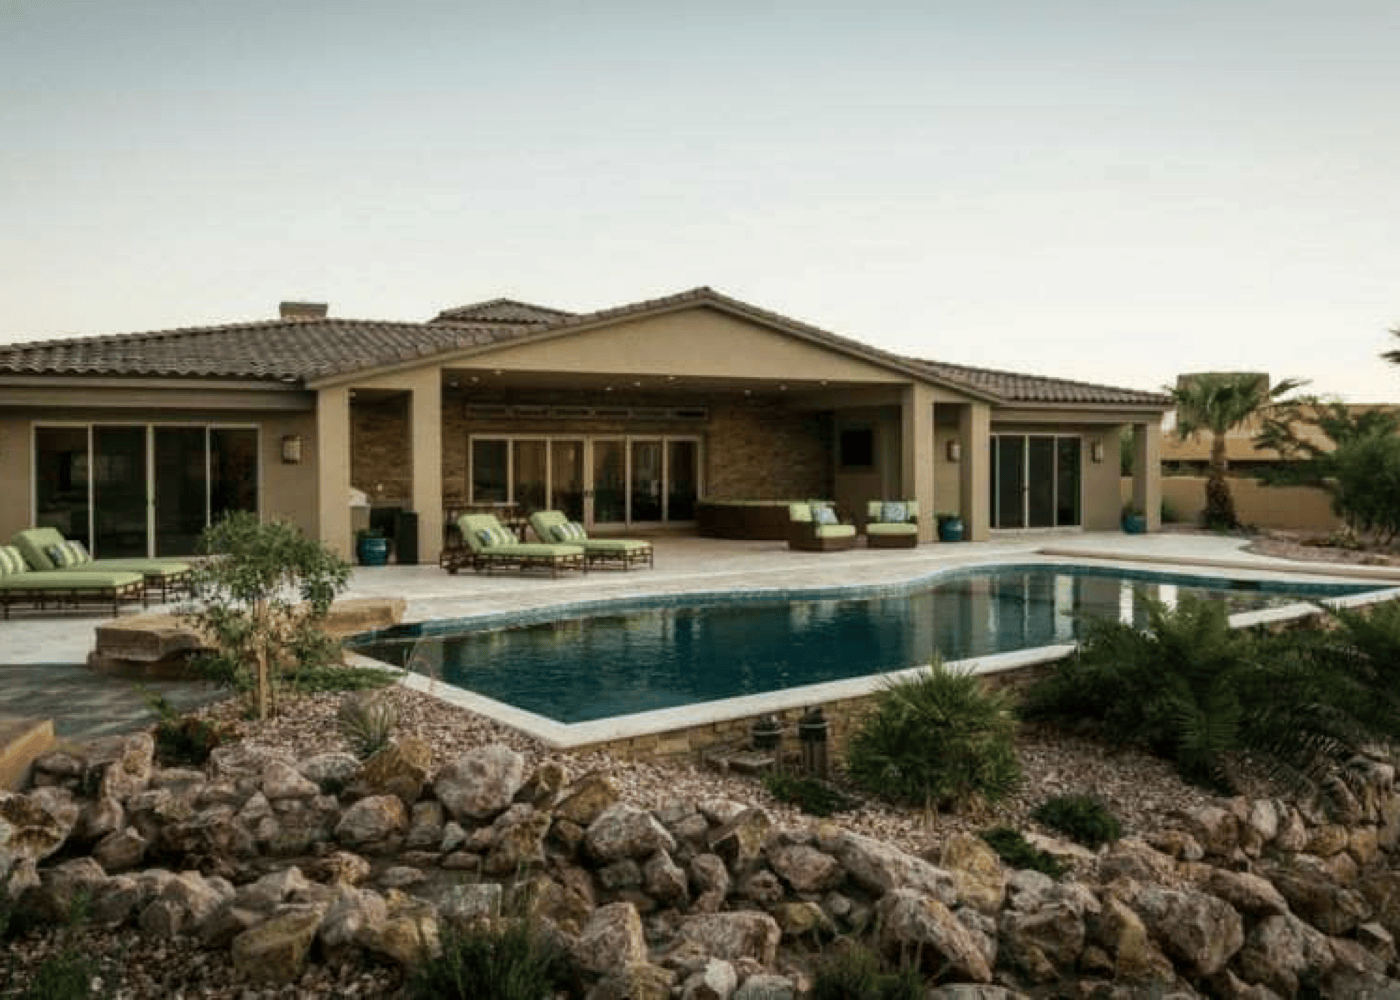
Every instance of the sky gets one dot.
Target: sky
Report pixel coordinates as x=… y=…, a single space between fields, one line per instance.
x=1114 y=192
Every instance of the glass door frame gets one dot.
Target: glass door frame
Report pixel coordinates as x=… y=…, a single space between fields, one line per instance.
x=994 y=500
x=149 y=428
x=589 y=441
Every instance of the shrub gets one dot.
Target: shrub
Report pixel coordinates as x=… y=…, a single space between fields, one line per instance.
x=1367 y=472
x=1082 y=818
x=181 y=738
x=853 y=972
x=1017 y=852
x=312 y=680
x=937 y=740
x=262 y=599
x=367 y=722
x=814 y=797
x=506 y=959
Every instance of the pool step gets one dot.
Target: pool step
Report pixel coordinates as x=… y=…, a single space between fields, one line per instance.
x=21 y=740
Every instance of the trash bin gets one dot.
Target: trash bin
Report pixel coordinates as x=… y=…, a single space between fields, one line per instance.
x=406 y=537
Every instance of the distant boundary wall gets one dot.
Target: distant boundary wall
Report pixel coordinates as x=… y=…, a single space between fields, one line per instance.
x=1298 y=507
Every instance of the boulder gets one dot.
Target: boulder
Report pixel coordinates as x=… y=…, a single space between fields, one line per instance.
x=1281 y=948
x=587 y=798
x=28 y=831
x=665 y=881
x=715 y=980
x=1382 y=891
x=1199 y=931
x=881 y=868
x=337 y=867
x=480 y=784
x=1251 y=894
x=1217 y=830
x=1314 y=894
x=62 y=886
x=120 y=766
x=542 y=788
x=184 y=902
x=121 y=850
x=372 y=821
x=733 y=935
x=740 y=841
x=349 y=913
x=978 y=876
x=802 y=919
x=517 y=839
x=806 y=869
x=1043 y=941
x=766 y=986
x=332 y=772
x=634 y=981
x=401 y=770
x=911 y=923
x=1123 y=936
x=407 y=935
x=611 y=939
x=280 y=780
x=624 y=831
x=99 y=818
x=275 y=950
x=425 y=826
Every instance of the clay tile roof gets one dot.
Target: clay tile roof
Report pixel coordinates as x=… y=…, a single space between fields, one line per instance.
x=1014 y=387
x=297 y=350
x=503 y=311
x=273 y=349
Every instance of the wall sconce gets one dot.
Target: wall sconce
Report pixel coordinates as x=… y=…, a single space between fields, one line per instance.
x=1096 y=451
x=954 y=451
x=291 y=449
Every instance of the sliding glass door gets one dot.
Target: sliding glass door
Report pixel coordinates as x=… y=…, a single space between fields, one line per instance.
x=602 y=481
x=1035 y=481
x=142 y=489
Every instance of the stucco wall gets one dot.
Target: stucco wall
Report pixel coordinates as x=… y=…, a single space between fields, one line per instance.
x=1298 y=507
x=287 y=491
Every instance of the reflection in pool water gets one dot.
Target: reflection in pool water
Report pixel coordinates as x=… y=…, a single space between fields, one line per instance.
x=634 y=658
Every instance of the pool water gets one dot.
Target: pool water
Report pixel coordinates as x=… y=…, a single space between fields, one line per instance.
x=643 y=655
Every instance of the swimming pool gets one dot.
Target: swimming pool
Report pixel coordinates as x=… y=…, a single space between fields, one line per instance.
x=585 y=663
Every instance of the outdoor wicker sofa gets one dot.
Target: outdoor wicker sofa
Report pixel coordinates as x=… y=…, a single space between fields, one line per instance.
x=552 y=526
x=43 y=547
x=892 y=524
x=813 y=526
x=20 y=585
x=488 y=545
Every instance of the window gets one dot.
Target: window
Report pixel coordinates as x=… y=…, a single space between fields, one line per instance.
x=856 y=448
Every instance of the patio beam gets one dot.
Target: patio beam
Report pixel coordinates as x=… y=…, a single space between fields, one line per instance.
x=333 y=468
x=1147 y=471
x=974 y=438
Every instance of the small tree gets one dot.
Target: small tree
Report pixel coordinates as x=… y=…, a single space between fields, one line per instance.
x=262 y=597
x=1217 y=403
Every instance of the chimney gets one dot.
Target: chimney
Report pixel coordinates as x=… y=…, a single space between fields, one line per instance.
x=302 y=310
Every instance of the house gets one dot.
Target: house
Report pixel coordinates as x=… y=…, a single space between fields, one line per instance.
x=625 y=417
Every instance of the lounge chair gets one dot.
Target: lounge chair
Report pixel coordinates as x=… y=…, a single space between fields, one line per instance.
x=553 y=526
x=42 y=549
x=489 y=545
x=64 y=588
x=813 y=526
x=892 y=524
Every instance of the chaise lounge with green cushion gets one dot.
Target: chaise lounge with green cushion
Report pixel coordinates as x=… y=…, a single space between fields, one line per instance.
x=892 y=524
x=43 y=548
x=553 y=526
x=62 y=588
x=813 y=526
x=489 y=545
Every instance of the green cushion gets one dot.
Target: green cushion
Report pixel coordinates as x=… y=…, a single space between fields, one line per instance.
x=835 y=530
x=159 y=568
x=68 y=580
x=615 y=545
x=535 y=550
x=543 y=521
x=800 y=512
x=11 y=561
x=34 y=543
x=877 y=528
x=471 y=526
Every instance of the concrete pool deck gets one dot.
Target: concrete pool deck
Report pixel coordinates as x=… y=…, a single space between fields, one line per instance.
x=41 y=654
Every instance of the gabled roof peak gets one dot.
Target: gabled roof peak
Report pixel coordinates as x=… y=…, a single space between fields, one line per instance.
x=502 y=311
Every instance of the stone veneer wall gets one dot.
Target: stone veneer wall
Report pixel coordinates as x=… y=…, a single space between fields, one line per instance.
x=381 y=452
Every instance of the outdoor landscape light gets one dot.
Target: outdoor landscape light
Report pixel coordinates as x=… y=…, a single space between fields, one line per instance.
x=954 y=451
x=291 y=449
x=1096 y=451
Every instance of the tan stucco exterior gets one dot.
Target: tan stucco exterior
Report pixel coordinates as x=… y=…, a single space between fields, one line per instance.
x=769 y=402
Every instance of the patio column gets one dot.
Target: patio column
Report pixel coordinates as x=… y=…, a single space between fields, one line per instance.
x=916 y=465
x=975 y=476
x=1147 y=472
x=425 y=422
x=333 y=469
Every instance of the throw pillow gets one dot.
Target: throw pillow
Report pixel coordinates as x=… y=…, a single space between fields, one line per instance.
x=576 y=532
x=492 y=537
x=823 y=514
x=11 y=562
x=894 y=512
x=77 y=553
x=560 y=532
x=58 y=555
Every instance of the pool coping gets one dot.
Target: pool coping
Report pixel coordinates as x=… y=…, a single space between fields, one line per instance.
x=569 y=736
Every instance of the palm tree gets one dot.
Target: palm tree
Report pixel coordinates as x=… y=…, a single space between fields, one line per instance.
x=1218 y=402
